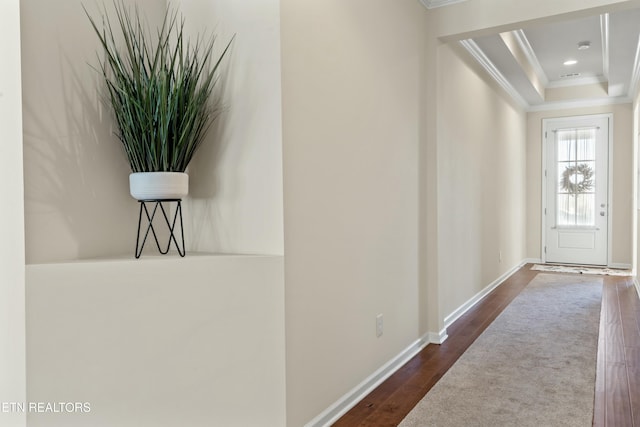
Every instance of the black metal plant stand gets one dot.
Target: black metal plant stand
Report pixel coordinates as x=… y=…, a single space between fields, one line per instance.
x=171 y=224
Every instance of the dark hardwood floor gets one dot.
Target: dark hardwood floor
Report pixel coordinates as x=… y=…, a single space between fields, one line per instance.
x=617 y=400
x=617 y=394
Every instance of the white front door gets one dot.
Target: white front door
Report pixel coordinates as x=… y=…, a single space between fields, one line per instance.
x=576 y=182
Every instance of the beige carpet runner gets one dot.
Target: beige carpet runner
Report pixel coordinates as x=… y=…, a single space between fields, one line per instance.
x=533 y=366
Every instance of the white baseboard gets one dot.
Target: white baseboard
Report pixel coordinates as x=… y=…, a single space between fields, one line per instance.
x=483 y=293
x=532 y=261
x=619 y=265
x=350 y=399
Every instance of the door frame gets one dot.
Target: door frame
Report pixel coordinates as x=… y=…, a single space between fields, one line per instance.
x=545 y=124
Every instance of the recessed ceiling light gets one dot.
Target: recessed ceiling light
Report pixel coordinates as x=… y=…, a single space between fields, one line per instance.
x=570 y=62
x=584 y=45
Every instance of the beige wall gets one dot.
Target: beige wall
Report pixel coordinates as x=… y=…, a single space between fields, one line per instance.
x=158 y=342
x=329 y=100
x=77 y=202
x=76 y=175
x=179 y=350
x=621 y=211
x=452 y=23
x=351 y=111
x=235 y=205
x=380 y=142
x=12 y=280
x=593 y=91
x=481 y=181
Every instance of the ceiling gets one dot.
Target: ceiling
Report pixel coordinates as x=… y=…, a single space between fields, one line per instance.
x=529 y=62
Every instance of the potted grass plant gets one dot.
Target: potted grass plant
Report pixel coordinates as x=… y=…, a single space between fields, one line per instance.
x=161 y=89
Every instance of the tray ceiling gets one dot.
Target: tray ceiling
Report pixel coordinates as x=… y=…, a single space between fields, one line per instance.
x=582 y=61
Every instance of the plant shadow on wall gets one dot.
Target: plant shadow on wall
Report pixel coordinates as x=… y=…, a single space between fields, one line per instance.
x=75 y=179
x=205 y=228
x=229 y=205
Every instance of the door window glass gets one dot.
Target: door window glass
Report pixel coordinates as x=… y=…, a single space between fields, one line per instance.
x=575 y=189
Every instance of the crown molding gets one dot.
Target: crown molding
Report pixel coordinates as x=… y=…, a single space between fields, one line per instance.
x=432 y=4
x=490 y=67
x=604 y=31
x=577 y=81
x=583 y=103
x=522 y=40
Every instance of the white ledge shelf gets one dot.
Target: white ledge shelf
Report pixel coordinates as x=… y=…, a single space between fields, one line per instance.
x=153 y=257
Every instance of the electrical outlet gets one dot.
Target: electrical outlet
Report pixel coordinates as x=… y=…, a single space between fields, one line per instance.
x=379 y=325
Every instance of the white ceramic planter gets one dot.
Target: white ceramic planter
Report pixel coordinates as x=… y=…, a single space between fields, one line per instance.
x=158 y=185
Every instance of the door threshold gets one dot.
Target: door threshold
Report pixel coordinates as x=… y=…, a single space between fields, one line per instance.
x=580 y=269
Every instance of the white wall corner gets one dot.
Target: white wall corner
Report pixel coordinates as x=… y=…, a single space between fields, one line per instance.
x=12 y=279
x=637 y=285
x=438 y=337
x=432 y=4
x=635 y=76
x=330 y=415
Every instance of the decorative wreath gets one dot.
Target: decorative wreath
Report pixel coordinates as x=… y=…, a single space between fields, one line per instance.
x=583 y=179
